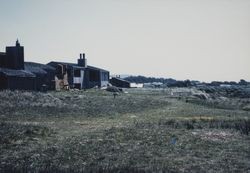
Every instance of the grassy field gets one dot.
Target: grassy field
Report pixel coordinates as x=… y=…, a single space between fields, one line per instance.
x=138 y=131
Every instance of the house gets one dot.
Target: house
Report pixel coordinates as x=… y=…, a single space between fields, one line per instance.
x=79 y=75
x=12 y=72
x=17 y=74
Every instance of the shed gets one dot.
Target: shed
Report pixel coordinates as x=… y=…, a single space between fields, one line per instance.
x=118 y=82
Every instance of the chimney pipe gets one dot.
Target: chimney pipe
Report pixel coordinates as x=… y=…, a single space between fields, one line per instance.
x=82 y=61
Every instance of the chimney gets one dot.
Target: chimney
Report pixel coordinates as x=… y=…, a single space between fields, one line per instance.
x=15 y=57
x=82 y=61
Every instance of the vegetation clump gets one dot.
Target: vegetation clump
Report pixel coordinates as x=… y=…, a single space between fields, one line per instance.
x=142 y=130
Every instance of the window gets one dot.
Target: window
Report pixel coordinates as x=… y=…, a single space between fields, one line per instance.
x=77 y=73
x=94 y=76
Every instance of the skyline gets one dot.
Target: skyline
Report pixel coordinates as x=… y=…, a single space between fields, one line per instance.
x=197 y=40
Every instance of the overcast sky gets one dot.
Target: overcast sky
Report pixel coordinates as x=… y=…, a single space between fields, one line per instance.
x=183 y=39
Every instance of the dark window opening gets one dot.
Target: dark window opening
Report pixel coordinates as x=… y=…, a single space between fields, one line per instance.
x=77 y=73
x=94 y=76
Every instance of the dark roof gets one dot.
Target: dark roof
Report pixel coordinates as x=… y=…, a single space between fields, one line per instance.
x=43 y=66
x=119 y=79
x=37 y=68
x=75 y=65
x=17 y=73
x=65 y=63
x=96 y=68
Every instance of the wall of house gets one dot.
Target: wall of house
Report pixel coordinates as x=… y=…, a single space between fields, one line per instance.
x=94 y=78
x=21 y=83
x=3 y=82
x=104 y=78
x=50 y=79
x=91 y=78
x=70 y=73
x=79 y=79
x=40 y=81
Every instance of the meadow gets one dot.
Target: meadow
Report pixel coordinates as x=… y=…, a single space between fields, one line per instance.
x=141 y=130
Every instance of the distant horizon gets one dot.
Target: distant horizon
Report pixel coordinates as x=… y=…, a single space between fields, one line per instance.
x=205 y=40
x=127 y=75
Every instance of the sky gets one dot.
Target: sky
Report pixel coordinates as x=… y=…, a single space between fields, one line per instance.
x=204 y=40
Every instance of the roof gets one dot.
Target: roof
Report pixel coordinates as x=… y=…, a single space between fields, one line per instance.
x=75 y=65
x=96 y=68
x=43 y=66
x=37 y=68
x=119 y=79
x=16 y=73
x=65 y=63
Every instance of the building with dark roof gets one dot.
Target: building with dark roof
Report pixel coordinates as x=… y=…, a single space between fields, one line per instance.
x=45 y=75
x=80 y=75
x=13 y=58
x=17 y=79
x=118 y=82
x=17 y=74
x=12 y=72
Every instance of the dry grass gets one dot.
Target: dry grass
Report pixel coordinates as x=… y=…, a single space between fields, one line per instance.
x=142 y=131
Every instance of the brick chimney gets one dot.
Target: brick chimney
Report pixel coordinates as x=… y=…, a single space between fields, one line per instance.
x=82 y=61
